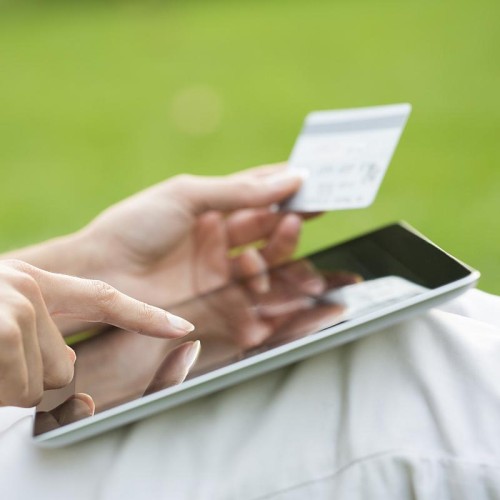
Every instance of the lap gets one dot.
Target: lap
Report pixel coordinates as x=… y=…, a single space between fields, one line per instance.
x=414 y=408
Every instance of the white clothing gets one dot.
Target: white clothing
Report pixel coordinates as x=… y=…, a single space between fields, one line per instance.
x=409 y=412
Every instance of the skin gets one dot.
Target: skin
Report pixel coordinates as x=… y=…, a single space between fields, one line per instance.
x=33 y=354
x=163 y=245
x=171 y=371
x=231 y=321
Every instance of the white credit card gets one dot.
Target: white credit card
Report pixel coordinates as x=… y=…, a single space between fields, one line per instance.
x=343 y=155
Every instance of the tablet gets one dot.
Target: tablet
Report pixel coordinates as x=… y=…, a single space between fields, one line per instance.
x=255 y=325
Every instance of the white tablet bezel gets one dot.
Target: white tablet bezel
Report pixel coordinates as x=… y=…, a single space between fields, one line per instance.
x=255 y=365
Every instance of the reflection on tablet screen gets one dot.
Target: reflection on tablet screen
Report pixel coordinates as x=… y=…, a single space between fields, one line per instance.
x=248 y=317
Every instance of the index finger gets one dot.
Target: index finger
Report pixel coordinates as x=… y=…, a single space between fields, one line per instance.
x=96 y=301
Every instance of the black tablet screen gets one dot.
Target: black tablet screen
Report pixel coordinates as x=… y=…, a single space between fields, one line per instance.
x=247 y=317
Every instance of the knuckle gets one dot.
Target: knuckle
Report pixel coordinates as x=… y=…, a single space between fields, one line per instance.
x=24 y=309
x=31 y=399
x=17 y=309
x=23 y=397
x=146 y=312
x=182 y=188
x=11 y=336
x=24 y=283
x=105 y=295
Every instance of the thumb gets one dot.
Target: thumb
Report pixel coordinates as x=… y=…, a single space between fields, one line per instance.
x=200 y=194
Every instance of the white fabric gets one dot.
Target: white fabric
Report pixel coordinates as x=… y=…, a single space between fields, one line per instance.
x=409 y=412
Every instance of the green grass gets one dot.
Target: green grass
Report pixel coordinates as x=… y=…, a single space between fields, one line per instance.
x=100 y=99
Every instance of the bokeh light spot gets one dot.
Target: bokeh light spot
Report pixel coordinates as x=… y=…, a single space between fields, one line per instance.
x=197 y=110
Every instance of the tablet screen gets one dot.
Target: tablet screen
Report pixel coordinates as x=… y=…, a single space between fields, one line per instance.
x=248 y=317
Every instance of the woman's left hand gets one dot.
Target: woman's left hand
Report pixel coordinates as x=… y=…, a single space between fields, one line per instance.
x=174 y=240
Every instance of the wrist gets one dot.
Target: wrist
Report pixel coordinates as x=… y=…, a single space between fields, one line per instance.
x=71 y=254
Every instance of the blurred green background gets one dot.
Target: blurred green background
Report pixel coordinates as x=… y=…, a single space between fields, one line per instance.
x=100 y=99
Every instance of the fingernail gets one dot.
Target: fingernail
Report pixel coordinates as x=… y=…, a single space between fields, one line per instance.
x=283 y=178
x=192 y=354
x=180 y=323
x=82 y=396
x=72 y=354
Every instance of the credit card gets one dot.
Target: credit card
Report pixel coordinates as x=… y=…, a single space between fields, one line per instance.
x=343 y=156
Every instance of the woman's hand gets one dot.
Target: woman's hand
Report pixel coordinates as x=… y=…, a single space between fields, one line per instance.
x=236 y=318
x=231 y=322
x=178 y=239
x=33 y=354
x=109 y=392
x=173 y=241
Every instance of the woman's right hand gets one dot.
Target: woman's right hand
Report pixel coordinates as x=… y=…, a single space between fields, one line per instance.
x=33 y=354
x=172 y=371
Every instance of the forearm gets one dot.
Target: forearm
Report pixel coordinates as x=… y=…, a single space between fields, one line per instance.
x=71 y=254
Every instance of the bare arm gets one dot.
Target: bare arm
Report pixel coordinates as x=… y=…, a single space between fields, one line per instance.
x=64 y=255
